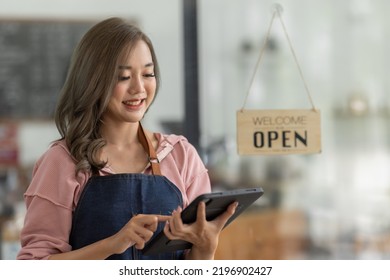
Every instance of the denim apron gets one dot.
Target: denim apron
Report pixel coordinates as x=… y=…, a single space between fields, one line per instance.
x=109 y=202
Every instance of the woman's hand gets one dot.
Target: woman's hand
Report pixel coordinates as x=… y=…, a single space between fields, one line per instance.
x=203 y=234
x=136 y=232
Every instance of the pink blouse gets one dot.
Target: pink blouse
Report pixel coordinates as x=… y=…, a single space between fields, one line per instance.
x=54 y=192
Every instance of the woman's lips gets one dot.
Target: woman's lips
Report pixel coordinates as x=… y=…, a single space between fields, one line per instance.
x=133 y=104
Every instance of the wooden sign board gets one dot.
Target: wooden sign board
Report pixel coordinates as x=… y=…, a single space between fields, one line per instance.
x=278 y=132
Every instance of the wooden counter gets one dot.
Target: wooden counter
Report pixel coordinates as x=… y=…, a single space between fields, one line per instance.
x=266 y=234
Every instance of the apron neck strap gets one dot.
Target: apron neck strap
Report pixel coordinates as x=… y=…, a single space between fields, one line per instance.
x=145 y=141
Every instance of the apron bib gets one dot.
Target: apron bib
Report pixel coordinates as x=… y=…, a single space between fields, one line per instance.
x=109 y=202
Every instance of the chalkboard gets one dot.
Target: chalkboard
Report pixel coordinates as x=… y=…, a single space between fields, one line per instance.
x=34 y=59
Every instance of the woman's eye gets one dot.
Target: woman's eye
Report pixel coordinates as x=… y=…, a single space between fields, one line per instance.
x=150 y=75
x=123 y=78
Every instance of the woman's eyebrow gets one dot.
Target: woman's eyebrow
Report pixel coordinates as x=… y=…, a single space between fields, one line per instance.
x=121 y=67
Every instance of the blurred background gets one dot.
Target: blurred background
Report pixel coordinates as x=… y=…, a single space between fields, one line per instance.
x=332 y=205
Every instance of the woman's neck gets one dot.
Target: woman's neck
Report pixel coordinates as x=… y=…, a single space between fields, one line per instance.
x=120 y=134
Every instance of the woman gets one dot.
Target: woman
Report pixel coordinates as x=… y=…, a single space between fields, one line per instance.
x=108 y=186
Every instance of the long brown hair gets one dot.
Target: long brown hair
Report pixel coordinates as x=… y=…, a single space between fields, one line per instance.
x=92 y=75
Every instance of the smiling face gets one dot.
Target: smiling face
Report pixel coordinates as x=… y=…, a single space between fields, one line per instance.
x=135 y=88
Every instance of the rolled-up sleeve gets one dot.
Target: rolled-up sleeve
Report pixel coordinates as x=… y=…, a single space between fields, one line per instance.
x=50 y=200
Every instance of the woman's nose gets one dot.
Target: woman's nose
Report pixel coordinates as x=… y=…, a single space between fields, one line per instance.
x=137 y=85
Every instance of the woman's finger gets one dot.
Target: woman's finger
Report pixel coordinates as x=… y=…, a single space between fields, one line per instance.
x=225 y=216
x=168 y=232
x=175 y=223
x=163 y=218
x=201 y=218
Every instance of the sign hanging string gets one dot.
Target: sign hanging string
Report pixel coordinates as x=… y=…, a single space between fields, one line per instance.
x=277 y=13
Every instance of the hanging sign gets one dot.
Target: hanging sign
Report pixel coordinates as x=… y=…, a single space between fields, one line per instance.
x=278 y=132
